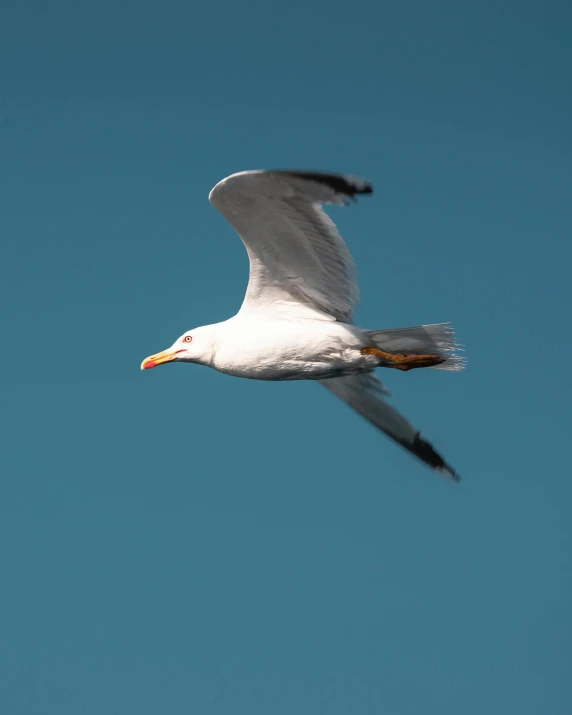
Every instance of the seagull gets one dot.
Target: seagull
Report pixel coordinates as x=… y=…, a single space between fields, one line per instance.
x=296 y=322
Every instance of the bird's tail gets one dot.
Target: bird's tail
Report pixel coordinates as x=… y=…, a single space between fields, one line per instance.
x=438 y=339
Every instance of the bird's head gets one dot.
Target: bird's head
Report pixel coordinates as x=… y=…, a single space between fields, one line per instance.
x=192 y=346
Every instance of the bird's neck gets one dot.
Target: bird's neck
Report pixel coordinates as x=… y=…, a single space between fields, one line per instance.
x=209 y=336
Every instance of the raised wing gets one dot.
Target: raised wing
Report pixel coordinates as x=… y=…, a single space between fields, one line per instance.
x=299 y=263
x=365 y=393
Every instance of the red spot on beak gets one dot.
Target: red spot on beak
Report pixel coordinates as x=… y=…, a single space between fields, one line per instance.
x=148 y=364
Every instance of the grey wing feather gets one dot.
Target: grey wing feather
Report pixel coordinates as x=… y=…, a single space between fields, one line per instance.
x=298 y=260
x=365 y=393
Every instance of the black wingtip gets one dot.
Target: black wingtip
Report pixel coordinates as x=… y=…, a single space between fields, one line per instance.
x=349 y=186
x=424 y=451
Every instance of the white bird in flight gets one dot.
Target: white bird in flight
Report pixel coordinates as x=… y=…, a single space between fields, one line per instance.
x=295 y=322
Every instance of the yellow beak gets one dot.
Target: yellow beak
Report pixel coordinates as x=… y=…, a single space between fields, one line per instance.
x=160 y=358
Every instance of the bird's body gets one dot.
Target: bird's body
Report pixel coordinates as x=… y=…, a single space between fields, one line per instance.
x=296 y=319
x=275 y=349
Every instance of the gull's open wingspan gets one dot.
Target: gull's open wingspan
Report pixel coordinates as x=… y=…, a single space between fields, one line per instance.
x=298 y=260
x=365 y=393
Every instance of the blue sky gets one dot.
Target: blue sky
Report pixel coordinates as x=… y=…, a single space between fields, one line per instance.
x=180 y=541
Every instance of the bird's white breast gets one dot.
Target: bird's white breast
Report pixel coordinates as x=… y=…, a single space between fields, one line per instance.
x=283 y=350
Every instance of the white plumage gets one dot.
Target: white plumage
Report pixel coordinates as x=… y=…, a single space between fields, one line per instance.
x=296 y=318
x=296 y=254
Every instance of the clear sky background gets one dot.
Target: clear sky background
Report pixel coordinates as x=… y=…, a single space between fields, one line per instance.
x=178 y=541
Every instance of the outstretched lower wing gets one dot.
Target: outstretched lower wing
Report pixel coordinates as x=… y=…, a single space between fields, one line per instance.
x=365 y=393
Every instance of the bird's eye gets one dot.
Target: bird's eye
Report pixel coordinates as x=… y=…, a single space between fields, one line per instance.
x=187 y=339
